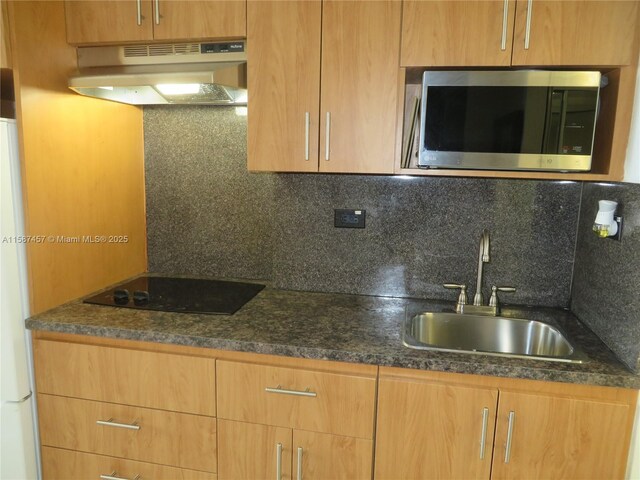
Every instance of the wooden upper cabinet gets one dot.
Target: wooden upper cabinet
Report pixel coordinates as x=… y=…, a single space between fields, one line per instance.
x=458 y=33
x=360 y=61
x=200 y=19
x=100 y=21
x=283 y=54
x=556 y=437
x=434 y=431
x=583 y=32
x=105 y=21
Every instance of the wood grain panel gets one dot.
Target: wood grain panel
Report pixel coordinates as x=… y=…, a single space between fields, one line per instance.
x=5 y=38
x=83 y=170
x=562 y=438
x=456 y=34
x=248 y=451
x=283 y=63
x=167 y=438
x=156 y=380
x=433 y=431
x=360 y=59
x=582 y=32
x=68 y=465
x=107 y=21
x=326 y=456
x=191 y=19
x=344 y=404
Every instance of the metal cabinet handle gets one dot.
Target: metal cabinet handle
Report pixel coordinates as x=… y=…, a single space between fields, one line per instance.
x=111 y=423
x=157 y=11
x=527 y=32
x=139 y=12
x=114 y=476
x=507 y=451
x=306 y=135
x=279 y=461
x=483 y=435
x=299 y=473
x=300 y=393
x=327 y=137
x=505 y=21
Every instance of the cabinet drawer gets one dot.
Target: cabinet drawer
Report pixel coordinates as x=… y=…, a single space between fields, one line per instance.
x=148 y=379
x=303 y=399
x=66 y=464
x=169 y=438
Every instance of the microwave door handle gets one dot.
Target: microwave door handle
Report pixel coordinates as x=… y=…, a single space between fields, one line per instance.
x=563 y=118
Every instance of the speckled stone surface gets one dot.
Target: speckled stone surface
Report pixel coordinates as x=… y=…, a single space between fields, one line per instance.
x=423 y=232
x=606 y=285
x=206 y=215
x=349 y=328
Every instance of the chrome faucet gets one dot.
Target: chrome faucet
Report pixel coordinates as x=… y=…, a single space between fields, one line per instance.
x=478 y=307
x=483 y=257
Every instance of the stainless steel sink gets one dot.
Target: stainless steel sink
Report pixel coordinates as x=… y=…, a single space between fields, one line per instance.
x=512 y=337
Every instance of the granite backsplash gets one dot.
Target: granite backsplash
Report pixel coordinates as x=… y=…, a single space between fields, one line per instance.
x=206 y=215
x=606 y=281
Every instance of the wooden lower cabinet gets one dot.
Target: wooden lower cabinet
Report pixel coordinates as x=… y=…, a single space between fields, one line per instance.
x=143 y=434
x=61 y=464
x=429 y=430
x=251 y=451
x=556 y=437
x=434 y=425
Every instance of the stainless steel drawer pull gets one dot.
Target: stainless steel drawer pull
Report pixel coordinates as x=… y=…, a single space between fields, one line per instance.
x=507 y=450
x=139 y=12
x=279 y=461
x=327 y=141
x=299 y=470
x=306 y=135
x=483 y=435
x=114 y=476
x=157 y=12
x=300 y=393
x=111 y=423
x=527 y=31
x=505 y=21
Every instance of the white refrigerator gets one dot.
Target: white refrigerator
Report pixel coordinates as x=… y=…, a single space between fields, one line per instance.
x=18 y=449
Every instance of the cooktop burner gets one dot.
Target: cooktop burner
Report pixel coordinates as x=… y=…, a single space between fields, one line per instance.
x=186 y=295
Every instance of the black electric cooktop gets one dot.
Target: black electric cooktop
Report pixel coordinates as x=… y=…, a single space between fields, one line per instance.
x=185 y=295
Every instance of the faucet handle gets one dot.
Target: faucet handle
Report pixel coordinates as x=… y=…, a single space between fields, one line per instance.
x=493 y=301
x=462 y=298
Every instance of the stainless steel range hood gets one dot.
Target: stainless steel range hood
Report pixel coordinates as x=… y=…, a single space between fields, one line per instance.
x=212 y=73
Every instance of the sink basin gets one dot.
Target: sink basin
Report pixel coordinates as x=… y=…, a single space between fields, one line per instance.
x=478 y=334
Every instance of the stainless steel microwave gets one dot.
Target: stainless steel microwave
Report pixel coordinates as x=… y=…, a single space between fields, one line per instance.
x=508 y=120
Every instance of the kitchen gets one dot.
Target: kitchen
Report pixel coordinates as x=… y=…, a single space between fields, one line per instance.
x=174 y=181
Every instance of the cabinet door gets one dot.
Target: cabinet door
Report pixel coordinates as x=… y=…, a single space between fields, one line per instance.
x=321 y=456
x=191 y=19
x=360 y=62
x=578 y=32
x=457 y=34
x=106 y=21
x=283 y=67
x=433 y=431
x=554 y=437
x=247 y=450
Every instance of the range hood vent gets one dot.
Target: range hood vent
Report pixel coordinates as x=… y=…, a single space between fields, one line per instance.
x=176 y=73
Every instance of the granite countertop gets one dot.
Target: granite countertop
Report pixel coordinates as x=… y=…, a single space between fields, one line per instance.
x=347 y=328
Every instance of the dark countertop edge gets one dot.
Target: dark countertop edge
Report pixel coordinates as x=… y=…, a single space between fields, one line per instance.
x=503 y=371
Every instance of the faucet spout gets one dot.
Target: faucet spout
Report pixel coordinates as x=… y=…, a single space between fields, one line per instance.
x=483 y=257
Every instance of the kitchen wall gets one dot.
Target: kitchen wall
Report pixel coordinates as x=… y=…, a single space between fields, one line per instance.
x=606 y=281
x=206 y=215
